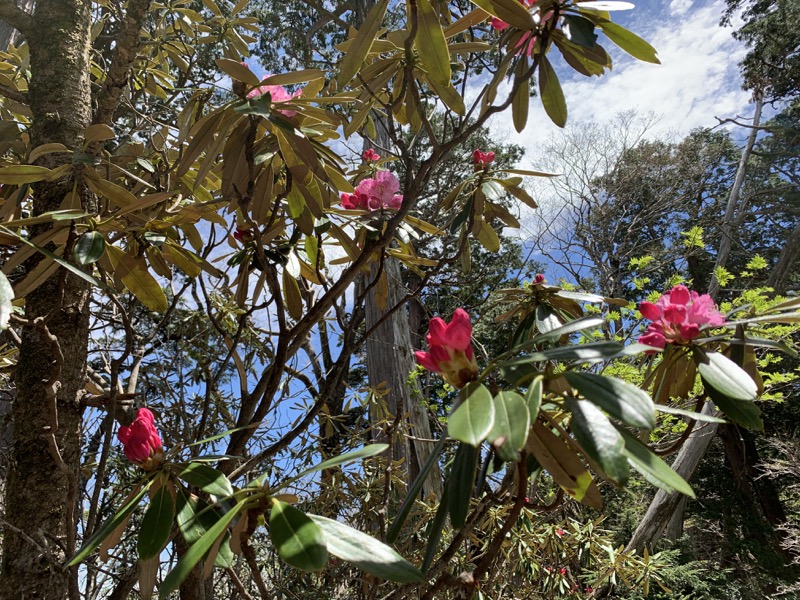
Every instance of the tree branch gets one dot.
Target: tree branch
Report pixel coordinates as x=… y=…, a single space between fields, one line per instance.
x=16 y=17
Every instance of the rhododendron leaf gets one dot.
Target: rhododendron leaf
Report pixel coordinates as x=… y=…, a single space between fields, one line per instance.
x=461 y=483
x=743 y=412
x=20 y=174
x=156 y=524
x=696 y=416
x=522 y=98
x=512 y=421
x=652 y=468
x=102 y=532
x=725 y=376
x=196 y=553
x=297 y=538
x=552 y=95
x=362 y=43
x=366 y=552
x=137 y=278
x=207 y=479
x=620 y=399
x=238 y=71
x=510 y=11
x=547 y=319
x=89 y=248
x=533 y=398
x=628 y=41
x=434 y=530
x=430 y=43
x=599 y=438
x=472 y=420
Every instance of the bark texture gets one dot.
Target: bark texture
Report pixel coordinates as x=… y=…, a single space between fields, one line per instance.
x=41 y=495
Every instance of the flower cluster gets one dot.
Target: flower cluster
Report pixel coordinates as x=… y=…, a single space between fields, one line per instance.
x=482 y=159
x=141 y=442
x=371 y=156
x=450 y=350
x=539 y=279
x=376 y=193
x=277 y=94
x=677 y=317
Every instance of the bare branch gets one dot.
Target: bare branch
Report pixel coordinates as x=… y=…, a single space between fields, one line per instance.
x=16 y=17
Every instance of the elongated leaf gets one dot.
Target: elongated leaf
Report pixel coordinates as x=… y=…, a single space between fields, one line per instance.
x=89 y=248
x=547 y=319
x=618 y=398
x=297 y=538
x=238 y=71
x=414 y=490
x=582 y=353
x=629 y=42
x=522 y=99
x=461 y=483
x=512 y=420
x=195 y=553
x=207 y=479
x=434 y=532
x=134 y=274
x=602 y=442
x=743 y=412
x=725 y=376
x=156 y=524
x=431 y=45
x=6 y=297
x=652 y=468
x=688 y=413
x=362 y=43
x=534 y=398
x=109 y=525
x=510 y=11
x=19 y=174
x=366 y=552
x=472 y=421
x=552 y=95
x=564 y=466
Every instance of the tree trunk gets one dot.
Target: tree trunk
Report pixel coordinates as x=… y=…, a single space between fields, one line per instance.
x=41 y=495
x=789 y=255
x=662 y=508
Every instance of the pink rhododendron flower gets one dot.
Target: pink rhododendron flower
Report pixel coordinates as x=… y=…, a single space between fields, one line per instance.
x=450 y=350
x=376 y=193
x=277 y=94
x=141 y=442
x=539 y=279
x=371 y=156
x=243 y=235
x=527 y=42
x=677 y=317
x=559 y=532
x=482 y=159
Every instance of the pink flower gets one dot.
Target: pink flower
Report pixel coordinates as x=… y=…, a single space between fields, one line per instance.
x=527 y=41
x=371 y=156
x=559 y=532
x=376 y=193
x=677 y=316
x=482 y=159
x=498 y=23
x=243 y=235
x=141 y=442
x=450 y=350
x=277 y=94
x=539 y=279
x=563 y=571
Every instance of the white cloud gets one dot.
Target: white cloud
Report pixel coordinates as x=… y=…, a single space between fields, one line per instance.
x=697 y=81
x=680 y=7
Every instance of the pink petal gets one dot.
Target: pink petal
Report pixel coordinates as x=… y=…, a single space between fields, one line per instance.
x=689 y=331
x=675 y=313
x=124 y=434
x=437 y=331
x=653 y=339
x=680 y=295
x=650 y=311
x=459 y=331
x=145 y=414
x=425 y=360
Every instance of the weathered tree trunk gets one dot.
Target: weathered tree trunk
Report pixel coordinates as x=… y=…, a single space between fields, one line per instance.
x=663 y=507
x=41 y=494
x=789 y=255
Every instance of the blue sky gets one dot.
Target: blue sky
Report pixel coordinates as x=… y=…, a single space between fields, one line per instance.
x=698 y=78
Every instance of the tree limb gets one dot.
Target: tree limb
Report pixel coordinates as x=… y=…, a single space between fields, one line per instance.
x=16 y=17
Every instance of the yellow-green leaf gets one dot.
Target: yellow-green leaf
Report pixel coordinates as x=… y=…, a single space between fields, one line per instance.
x=238 y=71
x=552 y=95
x=431 y=44
x=134 y=274
x=510 y=11
x=362 y=43
x=629 y=41
x=19 y=174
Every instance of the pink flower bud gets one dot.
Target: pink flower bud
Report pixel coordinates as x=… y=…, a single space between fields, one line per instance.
x=482 y=159
x=539 y=279
x=371 y=156
x=450 y=350
x=141 y=442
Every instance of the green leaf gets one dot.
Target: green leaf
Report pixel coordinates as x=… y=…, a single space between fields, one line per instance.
x=109 y=526
x=366 y=552
x=534 y=398
x=414 y=490
x=134 y=274
x=461 y=483
x=156 y=524
x=571 y=327
x=431 y=45
x=547 y=319
x=629 y=41
x=207 y=479
x=297 y=538
x=602 y=442
x=725 y=376
x=581 y=353
x=579 y=30
x=6 y=297
x=510 y=11
x=672 y=410
x=743 y=412
x=195 y=518
x=196 y=552
x=362 y=43
x=552 y=95
x=472 y=421
x=652 y=468
x=89 y=248
x=19 y=174
x=434 y=531
x=512 y=420
x=618 y=398
x=360 y=454
x=522 y=98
